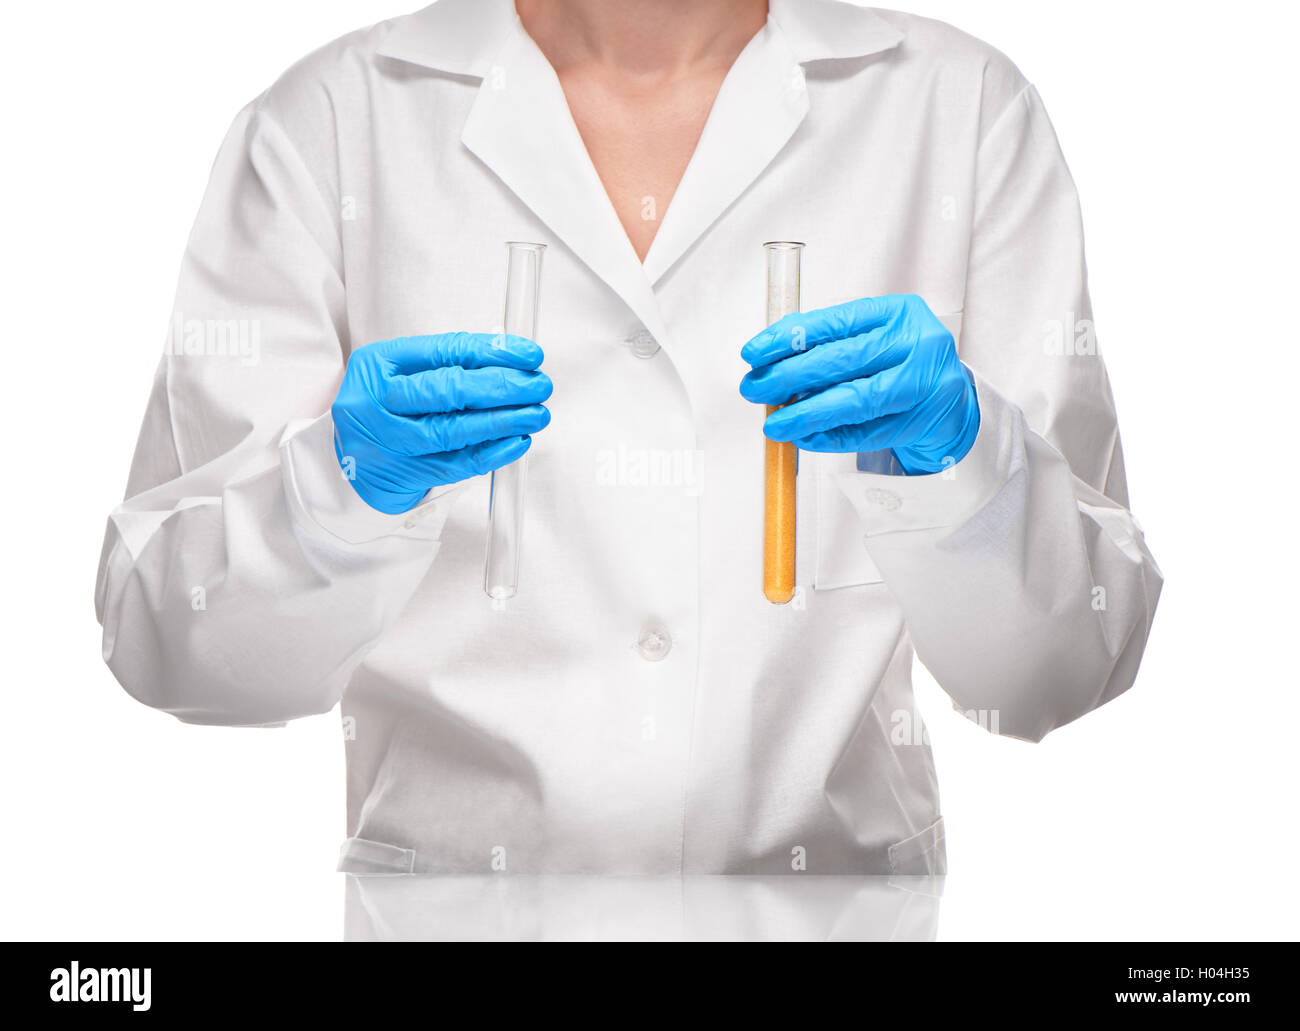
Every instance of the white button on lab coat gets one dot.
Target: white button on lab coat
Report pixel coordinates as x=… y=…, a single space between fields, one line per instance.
x=367 y=195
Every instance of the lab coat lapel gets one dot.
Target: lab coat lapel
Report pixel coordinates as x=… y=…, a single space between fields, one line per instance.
x=761 y=103
x=521 y=128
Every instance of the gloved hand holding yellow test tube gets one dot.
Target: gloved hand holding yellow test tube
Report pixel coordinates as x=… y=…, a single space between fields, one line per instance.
x=506 y=493
x=781 y=459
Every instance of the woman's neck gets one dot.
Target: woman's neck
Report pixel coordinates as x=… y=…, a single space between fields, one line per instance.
x=656 y=39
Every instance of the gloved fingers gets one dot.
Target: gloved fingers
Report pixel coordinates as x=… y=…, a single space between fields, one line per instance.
x=804 y=330
x=920 y=435
x=411 y=436
x=453 y=432
x=456 y=389
x=475 y=460
x=877 y=435
x=837 y=361
x=858 y=401
x=466 y=350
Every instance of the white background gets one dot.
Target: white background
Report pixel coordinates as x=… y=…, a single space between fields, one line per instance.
x=1167 y=814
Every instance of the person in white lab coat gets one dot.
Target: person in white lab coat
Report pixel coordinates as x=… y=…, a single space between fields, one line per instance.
x=639 y=706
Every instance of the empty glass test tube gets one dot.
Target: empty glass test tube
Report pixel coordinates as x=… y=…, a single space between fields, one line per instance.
x=780 y=460
x=506 y=494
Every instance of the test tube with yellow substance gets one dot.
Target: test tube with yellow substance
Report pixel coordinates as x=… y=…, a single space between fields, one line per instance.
x=780 y=460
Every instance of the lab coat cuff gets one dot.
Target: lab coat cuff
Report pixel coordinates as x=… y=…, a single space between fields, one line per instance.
x=319 y=492
x=889 y=504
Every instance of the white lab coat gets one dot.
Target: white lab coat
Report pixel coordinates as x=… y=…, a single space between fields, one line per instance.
x=599 y=907
x=639 y=706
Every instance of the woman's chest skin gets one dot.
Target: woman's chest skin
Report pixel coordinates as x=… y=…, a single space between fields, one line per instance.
x=640 y=138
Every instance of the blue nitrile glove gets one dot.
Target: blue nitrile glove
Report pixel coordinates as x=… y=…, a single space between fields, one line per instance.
x=868 y=375
x=419 y=412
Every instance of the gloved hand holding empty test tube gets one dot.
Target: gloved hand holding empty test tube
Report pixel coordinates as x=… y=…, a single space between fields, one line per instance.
x=425 y=411
x=420 y=412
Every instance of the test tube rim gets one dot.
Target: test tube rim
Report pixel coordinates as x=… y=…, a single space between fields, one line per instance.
x=784 y=244
x=524 y=244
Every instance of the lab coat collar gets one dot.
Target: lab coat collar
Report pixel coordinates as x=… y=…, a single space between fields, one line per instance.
x=822 y=30
x=521 y=128
x=456 y=36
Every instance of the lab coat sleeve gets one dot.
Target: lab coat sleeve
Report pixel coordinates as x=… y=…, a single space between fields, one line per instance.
x=242 y=580
x=1026 y=584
